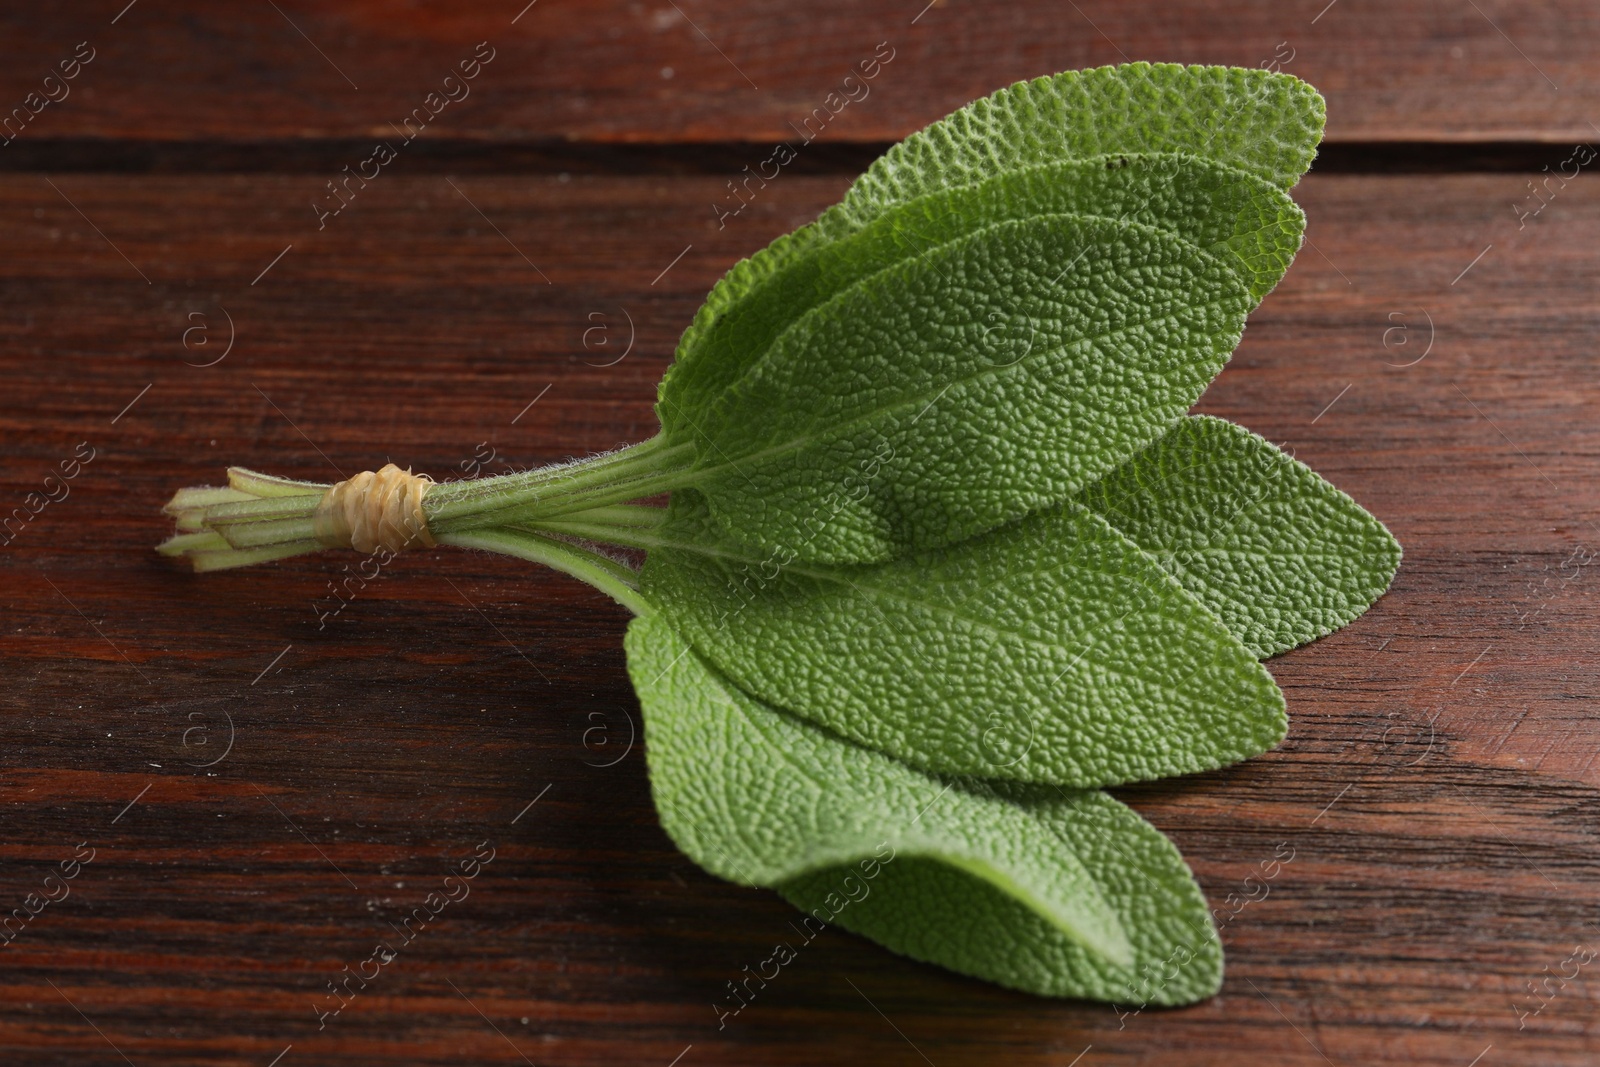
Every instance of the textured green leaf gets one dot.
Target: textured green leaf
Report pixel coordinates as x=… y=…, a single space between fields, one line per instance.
x=1280 y=555
x=922 y=910
x=1249 y=224
x=758 y=797
x=1050 y=649
x=1264 y=123
x=993 y=376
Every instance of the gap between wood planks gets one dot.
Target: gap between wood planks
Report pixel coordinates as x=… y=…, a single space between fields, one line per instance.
x=461 y=156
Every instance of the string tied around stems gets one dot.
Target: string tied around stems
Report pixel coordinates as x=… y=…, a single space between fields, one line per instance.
x=375 y=510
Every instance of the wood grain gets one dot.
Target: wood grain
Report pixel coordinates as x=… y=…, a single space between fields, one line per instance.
x=1437 y=790
x=719 y=70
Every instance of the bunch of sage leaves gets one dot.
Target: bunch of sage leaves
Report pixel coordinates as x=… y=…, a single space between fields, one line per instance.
x=944 y=554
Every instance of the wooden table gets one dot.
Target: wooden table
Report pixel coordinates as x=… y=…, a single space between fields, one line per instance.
x=248 y=797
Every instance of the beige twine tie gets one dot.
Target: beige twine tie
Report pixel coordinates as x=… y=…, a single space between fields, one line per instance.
x=375 y=510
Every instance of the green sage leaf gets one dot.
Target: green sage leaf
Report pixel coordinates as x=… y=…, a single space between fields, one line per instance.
x=1249 y=224
x=760 y=798
x=1264 y=123
x=1279 y=554
x=997 y=374
x=1050 y=650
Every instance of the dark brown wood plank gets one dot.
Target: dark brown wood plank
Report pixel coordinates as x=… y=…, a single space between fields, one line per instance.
x=720 y=70
x=1437 y=790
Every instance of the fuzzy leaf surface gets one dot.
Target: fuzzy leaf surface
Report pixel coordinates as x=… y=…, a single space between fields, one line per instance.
x=1264 y=123
x=1279 y=554
x=758 y=797
x=995 y=375
x=1051 y=649
x=1248 y=223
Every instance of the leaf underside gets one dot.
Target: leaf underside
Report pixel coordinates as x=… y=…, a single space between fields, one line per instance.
x=1066 y=894
x=1050 y=650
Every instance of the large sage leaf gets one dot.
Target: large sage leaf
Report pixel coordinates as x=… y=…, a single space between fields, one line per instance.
x=1249 y=224
x=1279 y=554
x=758 y=797
x=1056 y=893
x=1265 y=123
x=1050 y=650
x=995 y=375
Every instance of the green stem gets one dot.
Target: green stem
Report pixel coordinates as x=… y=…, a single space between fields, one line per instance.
x=473 y=488
x=535 y=505
x=611 y=533
x=221 y=559
x=626 y=515
x=259 y=517
x=257 y=484
x=456 y=506
x=258 y=510
x=607 y=575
